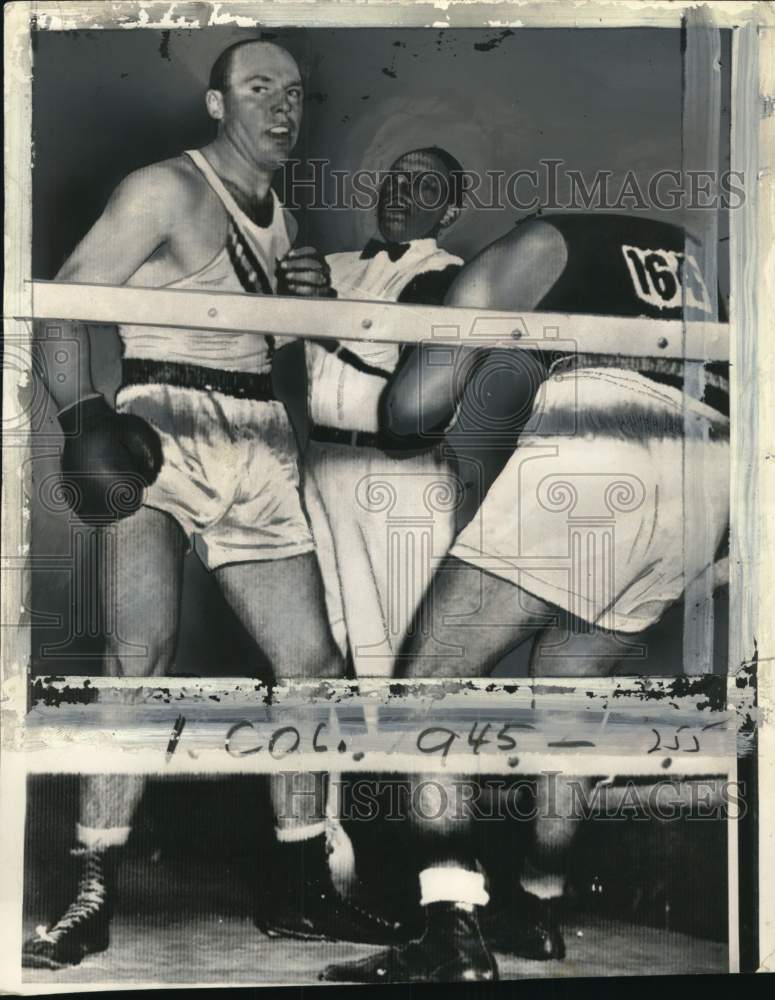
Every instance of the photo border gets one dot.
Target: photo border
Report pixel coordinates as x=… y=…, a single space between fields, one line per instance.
x=752 y=264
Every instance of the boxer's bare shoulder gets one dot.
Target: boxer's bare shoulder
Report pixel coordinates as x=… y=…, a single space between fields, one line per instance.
x=163 y=220
x=138 y=219
x=171 y=191
x=161 y=191
x=534 y=239
x=514 y=272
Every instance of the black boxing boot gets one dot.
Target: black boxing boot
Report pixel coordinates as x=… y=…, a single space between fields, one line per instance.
x=84 y=927
x=108 y=459
x=451 y=950
x=529 y=927
x=305 y=904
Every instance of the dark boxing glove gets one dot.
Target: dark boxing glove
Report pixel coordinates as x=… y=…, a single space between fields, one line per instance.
x=108 y=459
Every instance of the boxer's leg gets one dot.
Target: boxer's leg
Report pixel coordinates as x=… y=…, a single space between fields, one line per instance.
x=140 y=577
x=575 y=649
x=282 y=605
x=140 y=589
x=569 y=649
x=325 y=550
x=281 y=602
x=470 y=620
x=477 y=618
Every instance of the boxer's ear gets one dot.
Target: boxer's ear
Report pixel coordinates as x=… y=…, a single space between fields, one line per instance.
x=450 y=216
x=214 y=104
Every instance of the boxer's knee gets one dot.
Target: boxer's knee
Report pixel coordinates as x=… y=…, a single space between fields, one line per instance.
x=569 y=666
x=304 y=659
x=421 y=655
x=329 y=667
x=564 y=651
x=151 y=657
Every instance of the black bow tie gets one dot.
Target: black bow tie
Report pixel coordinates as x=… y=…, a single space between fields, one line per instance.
x=395 y=251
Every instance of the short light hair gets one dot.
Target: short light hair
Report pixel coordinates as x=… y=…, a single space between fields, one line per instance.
x=220 y=73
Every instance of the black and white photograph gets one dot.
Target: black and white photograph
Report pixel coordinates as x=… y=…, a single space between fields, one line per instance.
x=385 y=549
x=197 y=895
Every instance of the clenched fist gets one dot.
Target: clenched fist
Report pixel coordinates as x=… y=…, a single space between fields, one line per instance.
x=304 y=271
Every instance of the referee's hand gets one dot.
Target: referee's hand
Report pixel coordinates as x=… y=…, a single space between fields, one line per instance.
x=304 y=271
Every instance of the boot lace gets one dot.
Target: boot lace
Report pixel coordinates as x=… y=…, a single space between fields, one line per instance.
x=89 y=898
x=353 y=909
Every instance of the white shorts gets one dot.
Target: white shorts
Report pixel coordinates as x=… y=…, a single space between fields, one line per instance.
x=596 y=523
x=230 y=476
x=381 y=525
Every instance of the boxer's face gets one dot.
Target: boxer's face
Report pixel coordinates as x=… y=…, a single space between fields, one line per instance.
x=414 y=198
x=263 y=103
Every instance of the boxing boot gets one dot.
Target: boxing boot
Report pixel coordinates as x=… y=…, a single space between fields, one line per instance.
x=306 y=905
x=84 y=927
x=529 y=927
x=451 y=950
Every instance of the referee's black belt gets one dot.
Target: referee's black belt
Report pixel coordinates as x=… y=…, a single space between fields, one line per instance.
x=240 y=385
x=335 y=435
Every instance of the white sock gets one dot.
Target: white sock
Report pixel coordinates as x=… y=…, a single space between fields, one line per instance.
x=545 y=885
x=294 y=834
x=97 y=839
x=452 y=885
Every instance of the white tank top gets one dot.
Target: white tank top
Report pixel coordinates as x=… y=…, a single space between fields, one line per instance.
x=243 y=352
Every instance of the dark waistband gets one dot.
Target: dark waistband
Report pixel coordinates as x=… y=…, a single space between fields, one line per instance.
x=666 y=371
x=240 y=385
x=716 y=397
x=335 y=435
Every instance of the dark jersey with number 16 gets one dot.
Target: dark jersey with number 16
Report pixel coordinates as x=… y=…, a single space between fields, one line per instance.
x=594 y=264
x=620 y=265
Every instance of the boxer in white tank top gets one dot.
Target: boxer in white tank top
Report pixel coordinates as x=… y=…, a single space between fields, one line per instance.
x=236 y=496
x=196 y=415
x=380 y=521
x=234 y=351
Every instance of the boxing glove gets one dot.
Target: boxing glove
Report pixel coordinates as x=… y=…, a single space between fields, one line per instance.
x=108 y=459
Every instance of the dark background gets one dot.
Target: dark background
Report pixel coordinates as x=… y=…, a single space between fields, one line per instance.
x=107 y=102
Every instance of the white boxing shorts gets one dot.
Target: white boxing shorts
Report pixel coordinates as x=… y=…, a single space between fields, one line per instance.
x=230 y=476
x=589 y=516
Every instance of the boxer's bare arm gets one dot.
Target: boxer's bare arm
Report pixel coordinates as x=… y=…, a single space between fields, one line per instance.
x=291 y=225
x=136 y=222
x=513 y=274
